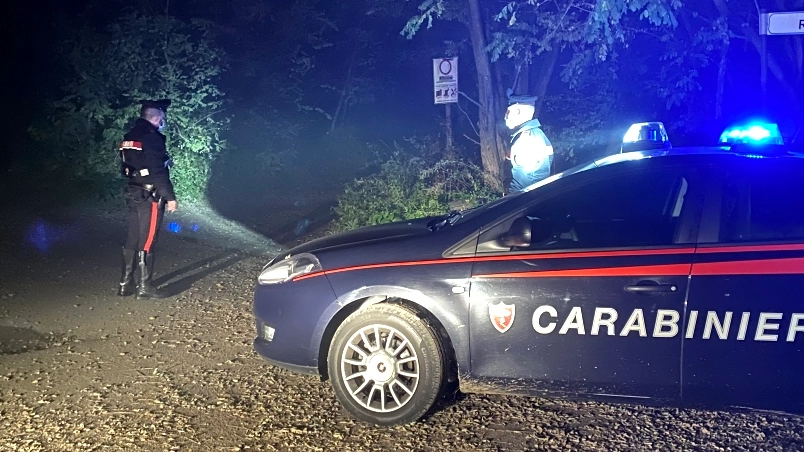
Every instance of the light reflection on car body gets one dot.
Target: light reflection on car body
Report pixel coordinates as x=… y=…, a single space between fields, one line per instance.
x=665 y=276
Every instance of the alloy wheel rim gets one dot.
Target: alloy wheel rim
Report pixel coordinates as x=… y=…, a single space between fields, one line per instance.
x=380 y=368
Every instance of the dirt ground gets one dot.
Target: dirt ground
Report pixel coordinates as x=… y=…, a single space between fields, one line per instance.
x=84 y=370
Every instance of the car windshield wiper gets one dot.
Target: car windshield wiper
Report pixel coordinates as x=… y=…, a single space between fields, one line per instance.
x=449 y=219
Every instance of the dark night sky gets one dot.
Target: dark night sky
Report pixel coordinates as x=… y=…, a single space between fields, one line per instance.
x=33 y=45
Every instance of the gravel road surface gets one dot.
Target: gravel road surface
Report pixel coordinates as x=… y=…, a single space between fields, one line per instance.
x=84 y=370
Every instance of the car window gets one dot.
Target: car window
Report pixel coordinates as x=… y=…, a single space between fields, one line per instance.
x=633 y=209
x=763 y=207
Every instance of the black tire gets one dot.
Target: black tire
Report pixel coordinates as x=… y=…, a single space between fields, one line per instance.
x=404 y=381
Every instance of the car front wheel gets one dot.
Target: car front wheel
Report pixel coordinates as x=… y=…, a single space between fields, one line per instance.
x=386 y=364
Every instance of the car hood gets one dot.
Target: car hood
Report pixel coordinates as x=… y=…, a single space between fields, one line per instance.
x=371 y=234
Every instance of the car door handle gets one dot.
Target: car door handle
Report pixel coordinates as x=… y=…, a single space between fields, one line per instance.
x=650 y=287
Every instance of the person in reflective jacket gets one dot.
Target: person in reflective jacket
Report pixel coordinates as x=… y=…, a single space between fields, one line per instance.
x=531 y=154
x=146 y=164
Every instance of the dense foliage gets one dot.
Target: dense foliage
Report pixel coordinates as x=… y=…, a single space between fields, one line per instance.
x=317 y=84
x=663 y=60
x=110 y=72
x=408 y=187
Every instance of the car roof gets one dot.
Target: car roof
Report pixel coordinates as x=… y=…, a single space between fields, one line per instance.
x=770 y=151
x=746 y=151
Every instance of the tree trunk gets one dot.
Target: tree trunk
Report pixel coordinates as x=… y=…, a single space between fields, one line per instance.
x=523 y=79
x=795 y=50
x=752 y=36
x=491 y=154
x=795 y=104
x=546 y=69
x=721 y=79
x=346 y=91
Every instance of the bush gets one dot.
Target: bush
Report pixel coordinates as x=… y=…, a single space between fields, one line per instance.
x=406 y=188
x=108 y=73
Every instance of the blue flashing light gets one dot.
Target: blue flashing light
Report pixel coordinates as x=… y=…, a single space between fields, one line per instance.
x=41 y=236
x=645 y=136
x=195 y=228
x=44 y=236
x=174 y=227
x=754 y=133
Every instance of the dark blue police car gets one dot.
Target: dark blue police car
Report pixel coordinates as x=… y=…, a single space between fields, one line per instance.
x=669 y=275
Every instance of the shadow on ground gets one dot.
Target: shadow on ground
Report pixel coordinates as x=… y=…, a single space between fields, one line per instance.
x=183 y=278
x=15 y=340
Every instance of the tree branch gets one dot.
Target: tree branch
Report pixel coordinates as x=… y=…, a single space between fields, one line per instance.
x=469 y=98
x=209 y=116
x=471 y=139
x=471 y=123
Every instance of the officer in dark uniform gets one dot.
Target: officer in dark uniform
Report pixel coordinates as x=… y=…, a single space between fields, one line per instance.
x=146 y=164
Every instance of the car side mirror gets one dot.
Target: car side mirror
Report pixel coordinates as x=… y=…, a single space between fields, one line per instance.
x=518 y=234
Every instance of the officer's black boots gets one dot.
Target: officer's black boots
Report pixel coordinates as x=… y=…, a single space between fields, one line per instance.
x=146 y=289
x=127 y=283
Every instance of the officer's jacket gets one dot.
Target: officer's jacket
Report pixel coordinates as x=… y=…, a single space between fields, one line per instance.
x=531 y=156
x=144 y=158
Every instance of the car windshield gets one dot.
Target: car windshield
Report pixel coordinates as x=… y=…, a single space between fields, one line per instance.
x=470 y=213
x=608 y=160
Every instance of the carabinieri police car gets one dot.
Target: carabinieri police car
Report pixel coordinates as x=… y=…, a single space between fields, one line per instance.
x=659 y=275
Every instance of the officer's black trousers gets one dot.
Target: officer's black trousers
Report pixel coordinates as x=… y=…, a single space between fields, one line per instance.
x=144 y=219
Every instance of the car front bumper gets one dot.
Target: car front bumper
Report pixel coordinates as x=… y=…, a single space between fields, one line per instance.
x=290 y=319
x=263 y=348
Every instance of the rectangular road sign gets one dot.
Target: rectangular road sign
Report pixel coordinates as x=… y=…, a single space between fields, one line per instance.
x=782 y=23
x=445 y=80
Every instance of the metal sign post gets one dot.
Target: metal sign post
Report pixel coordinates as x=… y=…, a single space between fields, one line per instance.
x=445 y=86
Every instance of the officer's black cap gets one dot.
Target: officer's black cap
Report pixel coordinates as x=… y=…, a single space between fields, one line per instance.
x=522 y=99
x=160 y=104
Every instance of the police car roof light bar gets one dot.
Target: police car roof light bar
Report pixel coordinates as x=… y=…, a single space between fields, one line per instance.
x=752 y=134
x=646 y=131
x=645 y=136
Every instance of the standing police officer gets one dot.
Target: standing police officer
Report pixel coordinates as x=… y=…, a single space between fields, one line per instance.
x=146 y=164
x=531 y=155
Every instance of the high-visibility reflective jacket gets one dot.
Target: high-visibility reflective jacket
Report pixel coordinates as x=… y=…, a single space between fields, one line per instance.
x=531 y=156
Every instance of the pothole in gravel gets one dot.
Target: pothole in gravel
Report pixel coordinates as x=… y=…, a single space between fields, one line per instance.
x=15 y=340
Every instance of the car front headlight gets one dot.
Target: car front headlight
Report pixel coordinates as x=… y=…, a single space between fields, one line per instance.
x=289 y=268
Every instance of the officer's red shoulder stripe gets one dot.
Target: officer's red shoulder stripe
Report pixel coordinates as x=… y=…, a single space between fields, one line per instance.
x=131 y=145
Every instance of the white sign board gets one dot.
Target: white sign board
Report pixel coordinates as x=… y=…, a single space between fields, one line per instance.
x=445 y=80
x=787 y=23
